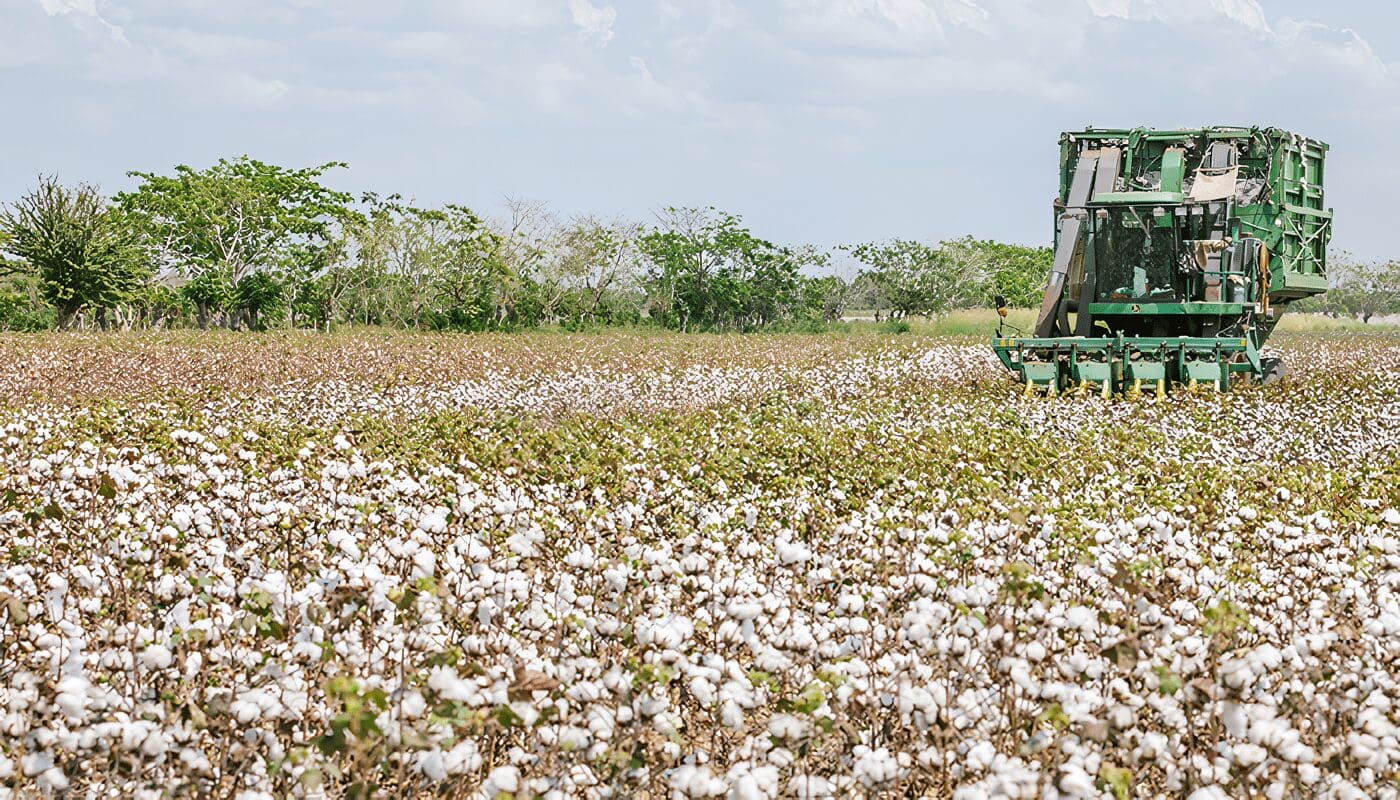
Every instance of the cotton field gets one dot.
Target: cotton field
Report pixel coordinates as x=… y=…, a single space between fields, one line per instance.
x=658 y=566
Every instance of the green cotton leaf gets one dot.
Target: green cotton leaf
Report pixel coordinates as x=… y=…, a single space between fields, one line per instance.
x=332 y=743
x=505 y=717
x=1168 y=682
x=1118 y=780
x=377 y=698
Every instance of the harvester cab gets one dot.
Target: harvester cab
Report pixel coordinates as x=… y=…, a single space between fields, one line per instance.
x=1176 y=252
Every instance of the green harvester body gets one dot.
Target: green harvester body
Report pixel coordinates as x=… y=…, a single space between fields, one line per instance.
x=1176 y=253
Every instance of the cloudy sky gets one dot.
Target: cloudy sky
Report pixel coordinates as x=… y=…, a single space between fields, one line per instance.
x=820 y=121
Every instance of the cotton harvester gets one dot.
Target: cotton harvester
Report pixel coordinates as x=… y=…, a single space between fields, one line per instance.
x=1176 y=252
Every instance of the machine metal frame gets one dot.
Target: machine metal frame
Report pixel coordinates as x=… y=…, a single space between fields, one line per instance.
x=1176 y=252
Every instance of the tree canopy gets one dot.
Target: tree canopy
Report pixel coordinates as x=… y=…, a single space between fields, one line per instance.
x=80 y=250
x=247 y=244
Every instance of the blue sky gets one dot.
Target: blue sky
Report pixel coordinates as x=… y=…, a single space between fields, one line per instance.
x=819 y=121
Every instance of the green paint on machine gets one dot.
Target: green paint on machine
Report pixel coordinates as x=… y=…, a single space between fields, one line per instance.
x=1176 y=252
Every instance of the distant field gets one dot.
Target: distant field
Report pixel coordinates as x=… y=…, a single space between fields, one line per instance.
x=628 y=565
x=980 y=321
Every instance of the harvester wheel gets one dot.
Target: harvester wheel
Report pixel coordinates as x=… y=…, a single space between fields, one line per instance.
x=1274 y=370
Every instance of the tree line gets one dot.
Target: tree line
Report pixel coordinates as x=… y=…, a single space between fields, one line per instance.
x=249 y=245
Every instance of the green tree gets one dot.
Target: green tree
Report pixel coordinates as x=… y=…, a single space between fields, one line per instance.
x=1360 y=289
x=1014 y=271
x=706 y=270
x=234 y=219
x=474 y=288
x=210 y=292
x=80 y=249
x=389 y=278
x=828 y=297
x=909 y=277
x=600 y=263
x=260 y=294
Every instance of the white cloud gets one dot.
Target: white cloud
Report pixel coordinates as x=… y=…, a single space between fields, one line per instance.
x=595 y=22
x=1247 y=13
x=883 y=22
x=83 y=12
x=848 y=84
x=55 y=7
x=1341 y=47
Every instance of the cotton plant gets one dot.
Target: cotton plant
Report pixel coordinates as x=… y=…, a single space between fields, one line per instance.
x=752 y=568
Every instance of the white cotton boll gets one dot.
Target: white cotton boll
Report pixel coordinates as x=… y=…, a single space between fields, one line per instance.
x=1082 y=618
x=981 y=755
x=155 y=744
x=1237 y=673
x=690 y=780
x=435 y=521
x=1209 y=793
x=1235 y=720
x=504 y=778
x=34 y=763
x=1309 y=774
x=527 y=712
x=465 y=757
x=731 y=715
x=747 y=788
x=582 y=558
x=1035 y=651
x=193 y=663
x=744 y=611
x=917 y=626
x=424 y=564
x=811 y=787
x=874 y=768
x=432 y=766
x=703 y=690
x=72 y=698
x=245 y=711
x=486 y=611
x=787 y=727
x=781 y=757
x=52 y=780
x=1247 y=755
x=157 y=656
x=1075 y=782
x=413 y=705
x=1391 y=517
x=790 y=553
x=601 y=723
